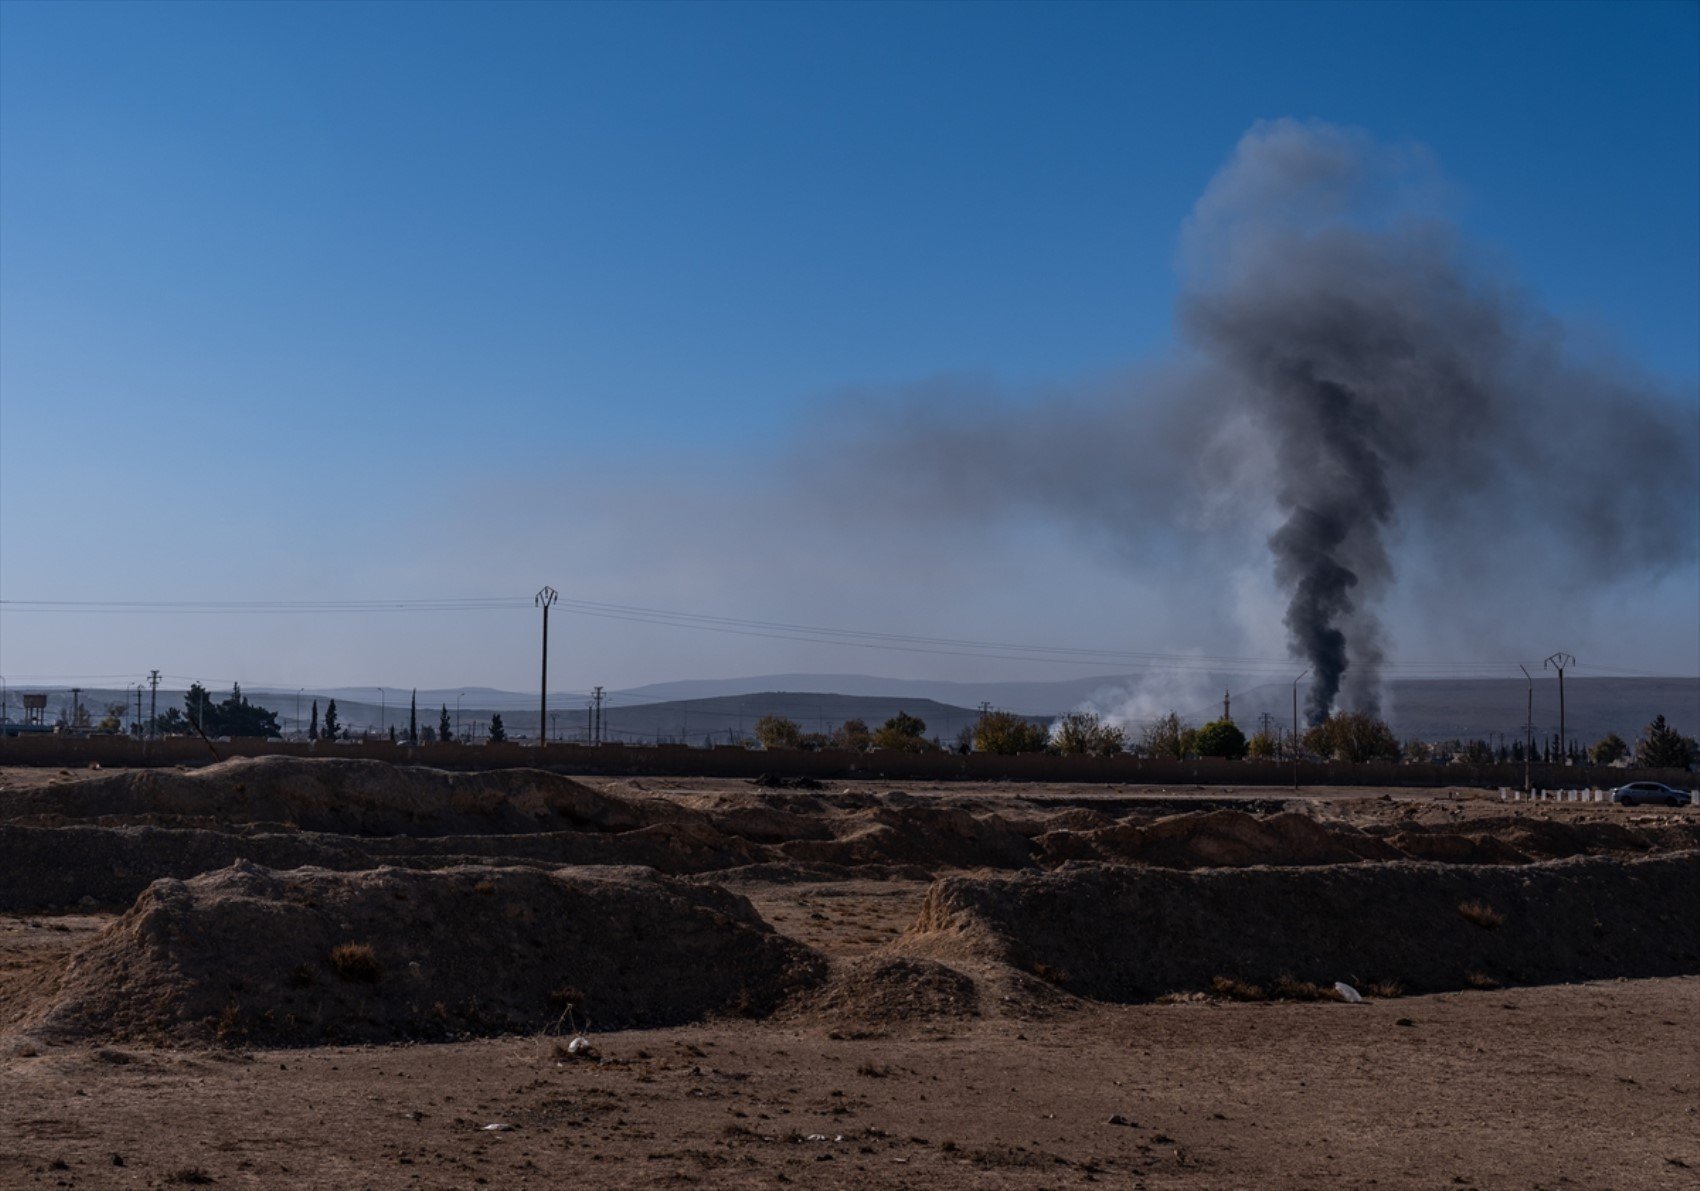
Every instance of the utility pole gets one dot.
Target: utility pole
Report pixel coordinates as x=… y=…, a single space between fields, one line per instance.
x=1296 y=682
x=1528 y=729
x=138 y=710
x=1559 y=661
x=153 y=702
x=596 y=717
x=544 y=599
x=555 y=724
x=76 y=706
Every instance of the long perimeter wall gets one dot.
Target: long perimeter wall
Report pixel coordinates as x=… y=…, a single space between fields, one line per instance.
x=827 y=765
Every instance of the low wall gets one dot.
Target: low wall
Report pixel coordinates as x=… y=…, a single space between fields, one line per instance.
x=827 y=765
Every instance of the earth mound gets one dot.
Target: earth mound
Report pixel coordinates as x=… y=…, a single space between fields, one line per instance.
x=1218 y=839
x=1132 y=933
x=344 y=796
x=48 y=868
x=250 y=955
x=882 y=989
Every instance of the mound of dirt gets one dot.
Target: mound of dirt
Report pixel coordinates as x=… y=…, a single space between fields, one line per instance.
x=46 y=868
x=346 y=797
x=1217 y=839
x=882 y=989
x=931 y=837
x=1129 y=933
x=250 y=955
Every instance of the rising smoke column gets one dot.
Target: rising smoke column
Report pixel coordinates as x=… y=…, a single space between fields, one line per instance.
x=1352 y=334
x=1358 y=387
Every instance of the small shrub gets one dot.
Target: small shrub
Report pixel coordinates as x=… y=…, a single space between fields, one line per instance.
x=567 y=997
x=1480 y=980
x=1482 y=914
x=1237 y=990
x=1288 y=989
x=356 y=963
x=485 y=888
x=1385 y=990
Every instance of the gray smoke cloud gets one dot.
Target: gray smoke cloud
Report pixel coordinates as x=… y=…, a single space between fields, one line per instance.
x=1350 y=368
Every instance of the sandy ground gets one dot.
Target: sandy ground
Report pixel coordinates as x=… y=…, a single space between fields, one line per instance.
x=1588 y=1085
x=1578 y=1086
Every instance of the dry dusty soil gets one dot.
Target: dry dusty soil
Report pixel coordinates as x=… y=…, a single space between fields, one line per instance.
x=336 y=974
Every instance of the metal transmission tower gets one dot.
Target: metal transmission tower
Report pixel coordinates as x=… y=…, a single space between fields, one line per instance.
x=153 y=702
x=544 y=599
x=1559 y=661
x=596 y=717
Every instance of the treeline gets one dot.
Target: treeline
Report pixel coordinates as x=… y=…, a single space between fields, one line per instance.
x=1348 y=736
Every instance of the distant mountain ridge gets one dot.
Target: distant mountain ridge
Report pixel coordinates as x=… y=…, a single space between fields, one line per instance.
x=703 y=711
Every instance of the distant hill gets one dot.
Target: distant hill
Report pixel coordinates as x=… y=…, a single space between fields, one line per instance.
x=701 y=711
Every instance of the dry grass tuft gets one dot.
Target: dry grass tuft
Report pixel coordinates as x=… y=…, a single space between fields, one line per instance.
x=1288 y=989
x=1482 y=914
x=1480 y=980
x=1237 y=990
x=1385 y=990
x=356 y=963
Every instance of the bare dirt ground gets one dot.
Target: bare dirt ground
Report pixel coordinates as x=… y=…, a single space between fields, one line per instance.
x=899 y=1070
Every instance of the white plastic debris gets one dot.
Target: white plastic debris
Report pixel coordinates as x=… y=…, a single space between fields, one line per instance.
x=578 y=1045
x=815 y=1137
x=498 y=1127
x=1347 y=993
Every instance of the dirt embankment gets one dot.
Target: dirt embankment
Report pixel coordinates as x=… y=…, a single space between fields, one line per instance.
x=1131 y=933
x=337 y=796
x=251 y=955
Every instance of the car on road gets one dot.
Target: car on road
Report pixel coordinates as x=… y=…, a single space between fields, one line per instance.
x=1650 y=793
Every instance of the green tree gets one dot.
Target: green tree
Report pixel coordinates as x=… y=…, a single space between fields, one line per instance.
x=1088 y=734
x=1353 y=737
x=445 y=730
x=113 y=720
x=1263 y=746
x=413 y=719
x=1220 y=738
x=1662 y=747
x=1166 y=737
x=1005 y=733
x=777 y=732
x=903 y=733
x=313 y=724
x=853 y=735
x=1611 y=748
x=498 y=733
x=333 y=726
x=1476 y=752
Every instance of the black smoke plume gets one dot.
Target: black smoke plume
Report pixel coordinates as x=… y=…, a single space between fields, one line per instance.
x=1354 y=377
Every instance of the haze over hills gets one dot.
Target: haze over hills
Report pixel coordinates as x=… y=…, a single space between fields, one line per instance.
x=700 y=712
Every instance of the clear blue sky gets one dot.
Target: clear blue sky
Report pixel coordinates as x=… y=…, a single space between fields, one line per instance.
x=294 y=297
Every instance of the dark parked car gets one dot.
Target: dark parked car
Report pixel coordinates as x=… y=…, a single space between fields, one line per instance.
x=1657 y=793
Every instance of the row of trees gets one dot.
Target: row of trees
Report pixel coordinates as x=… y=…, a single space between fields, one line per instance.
x=1349 y=736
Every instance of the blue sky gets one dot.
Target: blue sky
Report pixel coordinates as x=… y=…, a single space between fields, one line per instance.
x=344 y=301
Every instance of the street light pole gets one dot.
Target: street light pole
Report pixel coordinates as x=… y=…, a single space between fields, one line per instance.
x=544 y=599
x=383 y=709
x=457 y=716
